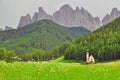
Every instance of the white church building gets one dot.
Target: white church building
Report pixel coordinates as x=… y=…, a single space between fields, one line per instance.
x=89 y=58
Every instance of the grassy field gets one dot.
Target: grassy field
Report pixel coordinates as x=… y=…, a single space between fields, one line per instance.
x=55 y=70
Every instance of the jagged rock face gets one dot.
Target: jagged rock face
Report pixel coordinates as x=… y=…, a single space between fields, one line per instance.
x=24 y=20
x=7 y=28
x=110 y=17
x=41 y=15
x=79 y=17
x=66 y=16
x=88 y=20
x=34 y=19
x=97 y=20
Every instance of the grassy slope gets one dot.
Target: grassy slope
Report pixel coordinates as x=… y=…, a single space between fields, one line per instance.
x=59 y=71
x=43 y=34
x=18 y=40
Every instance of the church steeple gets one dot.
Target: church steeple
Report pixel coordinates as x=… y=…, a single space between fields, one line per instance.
x=89 y=58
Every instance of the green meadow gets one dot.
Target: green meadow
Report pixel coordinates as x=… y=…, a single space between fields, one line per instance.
x=56 y=70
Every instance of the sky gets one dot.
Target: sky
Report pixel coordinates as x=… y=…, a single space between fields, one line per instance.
x=12 y=10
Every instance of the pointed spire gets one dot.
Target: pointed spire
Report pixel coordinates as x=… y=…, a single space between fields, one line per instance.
x=66 y=7
x=114 y=10
x=77 y=9
x=40 y=9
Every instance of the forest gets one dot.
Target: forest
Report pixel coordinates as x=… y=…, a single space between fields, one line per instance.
x=103 y=44
x=36 y=41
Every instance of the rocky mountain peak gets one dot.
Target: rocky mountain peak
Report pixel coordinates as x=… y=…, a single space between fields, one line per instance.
x=115 y=13
x=77 y=9
x=7 y=28
x=114 y=10
x=28 y=15
x=35 y=16
x=65 y=8
x=98 y=21
x=97 y=18
x=41 y=11
x=24 y=20
x=84 y=10
x=40 y=15
x=65 y=16
x=110 y=17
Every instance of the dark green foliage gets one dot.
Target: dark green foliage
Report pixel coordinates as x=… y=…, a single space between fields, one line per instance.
x=103 y=44
x=43 y=34
x=6 y=55
x=80 y=30
x=36 y=55
x=30 y=41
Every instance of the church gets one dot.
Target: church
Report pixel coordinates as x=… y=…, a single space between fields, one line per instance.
x=89 y=58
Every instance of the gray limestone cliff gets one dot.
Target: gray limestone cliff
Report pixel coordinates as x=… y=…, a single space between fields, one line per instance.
x=110 y=17
x=65 y=16
x=24 y=20
x=40 y=15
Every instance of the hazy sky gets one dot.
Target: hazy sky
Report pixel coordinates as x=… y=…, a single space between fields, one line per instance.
x=12 y=10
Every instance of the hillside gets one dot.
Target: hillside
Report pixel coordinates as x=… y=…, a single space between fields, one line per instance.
x=44 y=34
x=103 y=44
x=80 y=30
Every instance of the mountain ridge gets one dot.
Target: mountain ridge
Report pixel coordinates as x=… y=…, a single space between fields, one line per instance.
x=69 y=17
x=115 y=13
x=66 y=16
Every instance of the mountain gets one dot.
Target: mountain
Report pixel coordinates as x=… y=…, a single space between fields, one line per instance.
x=78 y=17
x=41 y=15
x=66 y=16
x=24 y=20
x=103 y=44
x=80 y=30
x=44 y=34
x=7 y=28
x=110 y=17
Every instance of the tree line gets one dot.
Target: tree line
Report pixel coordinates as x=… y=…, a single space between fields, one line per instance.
x=103 y=44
